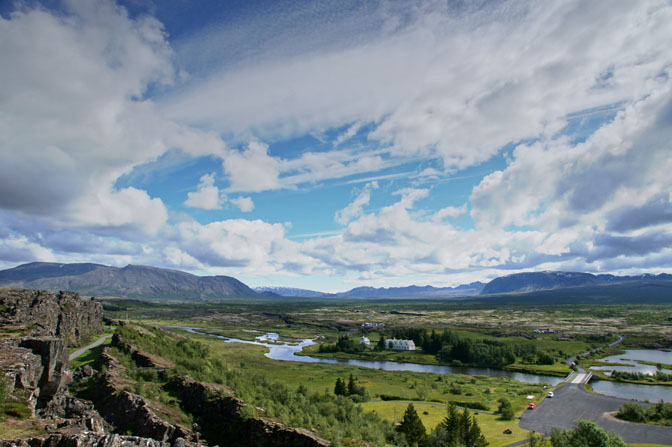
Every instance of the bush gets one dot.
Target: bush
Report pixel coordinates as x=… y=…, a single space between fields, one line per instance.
x=632 y=412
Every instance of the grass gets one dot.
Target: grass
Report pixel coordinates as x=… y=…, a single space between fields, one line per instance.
x=12 y=428
x=492 y=426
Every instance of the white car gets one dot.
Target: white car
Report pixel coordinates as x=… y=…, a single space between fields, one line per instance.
x=550 y=394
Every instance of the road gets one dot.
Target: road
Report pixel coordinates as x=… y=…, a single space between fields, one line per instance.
x=81 y=351
x=572 y=402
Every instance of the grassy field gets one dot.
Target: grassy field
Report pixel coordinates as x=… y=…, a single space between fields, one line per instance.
x=493 y=427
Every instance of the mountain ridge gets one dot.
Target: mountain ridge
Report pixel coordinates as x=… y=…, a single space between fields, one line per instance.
x=134 y=281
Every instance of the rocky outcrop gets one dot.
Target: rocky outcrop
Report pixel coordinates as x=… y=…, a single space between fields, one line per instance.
x=88 y=439
x=128 y=411
x=222 y=414
x=42 y=313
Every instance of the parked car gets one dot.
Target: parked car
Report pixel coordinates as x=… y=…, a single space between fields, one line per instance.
x=532 y=406
x=550 y=394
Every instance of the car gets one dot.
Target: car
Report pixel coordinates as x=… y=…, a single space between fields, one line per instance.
x=532 y=406
x=550 y=395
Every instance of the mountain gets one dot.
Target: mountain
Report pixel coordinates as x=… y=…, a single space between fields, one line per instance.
x=533 y=281
x=290 y=291
x=414 y=291
x=136 y=281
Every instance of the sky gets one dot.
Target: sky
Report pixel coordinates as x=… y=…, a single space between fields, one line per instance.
x=328 y=145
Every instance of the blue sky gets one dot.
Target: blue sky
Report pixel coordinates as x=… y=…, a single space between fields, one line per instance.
x=329 y=145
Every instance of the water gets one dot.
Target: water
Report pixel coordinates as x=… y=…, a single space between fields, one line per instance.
x=287 y=351
x=652 y=393
x=629 y=361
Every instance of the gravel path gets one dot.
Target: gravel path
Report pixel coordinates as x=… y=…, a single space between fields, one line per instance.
x=81 y=351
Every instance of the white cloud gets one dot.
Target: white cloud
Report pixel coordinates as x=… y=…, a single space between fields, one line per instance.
x=457 y=85
x=354 y=209
x=449 y=212
x=207 y=196
x=245 y=204
x=252 y=169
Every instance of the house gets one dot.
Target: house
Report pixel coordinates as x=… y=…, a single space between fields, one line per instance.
x=365 y=341
x=400 y=345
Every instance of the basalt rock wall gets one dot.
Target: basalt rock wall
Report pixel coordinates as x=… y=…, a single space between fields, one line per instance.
x=42 y=313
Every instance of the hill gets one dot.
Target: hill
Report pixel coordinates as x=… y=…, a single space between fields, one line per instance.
x=135 y=281
x=534 y=281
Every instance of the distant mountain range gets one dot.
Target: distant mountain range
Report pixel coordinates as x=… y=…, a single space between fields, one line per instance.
x=381 y=292
x=534 y=281
x=135 y=281
x=138 y=281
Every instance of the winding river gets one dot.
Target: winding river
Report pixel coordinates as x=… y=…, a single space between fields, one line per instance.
x=287 y=351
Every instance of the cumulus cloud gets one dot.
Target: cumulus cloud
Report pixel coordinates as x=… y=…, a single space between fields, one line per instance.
x=207 y=196
x=252 y=169
x=245 y=204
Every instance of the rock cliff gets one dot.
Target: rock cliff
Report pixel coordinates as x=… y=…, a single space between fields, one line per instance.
x=42 y=313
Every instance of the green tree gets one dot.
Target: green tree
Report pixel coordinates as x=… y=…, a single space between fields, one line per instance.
x=352 y=386
x=505 y=408
x=412 y=428
x=472 y=436
x=585 y=434
x=381 y=343
x=340 y=388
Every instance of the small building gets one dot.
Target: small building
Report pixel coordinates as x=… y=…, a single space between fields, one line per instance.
x=400 y=345
x=365 y=341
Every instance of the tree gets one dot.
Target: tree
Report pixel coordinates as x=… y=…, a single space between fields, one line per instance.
x=505 y=409
x=352 y=387
x=381 y=343
x=340 y=388
x=412 y=428
x=585 y=434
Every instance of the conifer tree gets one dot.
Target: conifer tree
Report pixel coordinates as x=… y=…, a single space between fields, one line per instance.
x=352 y=387
x=412 y=428
x=339 y=388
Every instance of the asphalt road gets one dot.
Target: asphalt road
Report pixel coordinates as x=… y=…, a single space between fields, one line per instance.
x=81 y=351
x=572 y=402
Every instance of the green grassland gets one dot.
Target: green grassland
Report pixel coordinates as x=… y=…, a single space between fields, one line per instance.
x=492 y=427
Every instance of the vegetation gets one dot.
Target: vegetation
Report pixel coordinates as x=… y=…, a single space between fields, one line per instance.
x=505 y=409
x=11 y=406
x=412 y=429
x=584 y=434
x=356 y=392
x=641 y=377
x=458 y=429
x=660 y=413
x=334 y=417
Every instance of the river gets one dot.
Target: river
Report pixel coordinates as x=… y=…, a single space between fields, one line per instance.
x=287 y=351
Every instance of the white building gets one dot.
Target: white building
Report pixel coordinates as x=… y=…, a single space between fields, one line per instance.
x=400 y=345
x=365 y=341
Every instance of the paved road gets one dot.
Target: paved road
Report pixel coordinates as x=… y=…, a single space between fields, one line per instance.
x=572 y=402
x=81 y=351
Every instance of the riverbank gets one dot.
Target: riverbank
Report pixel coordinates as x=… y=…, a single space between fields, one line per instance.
x=419 y=357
